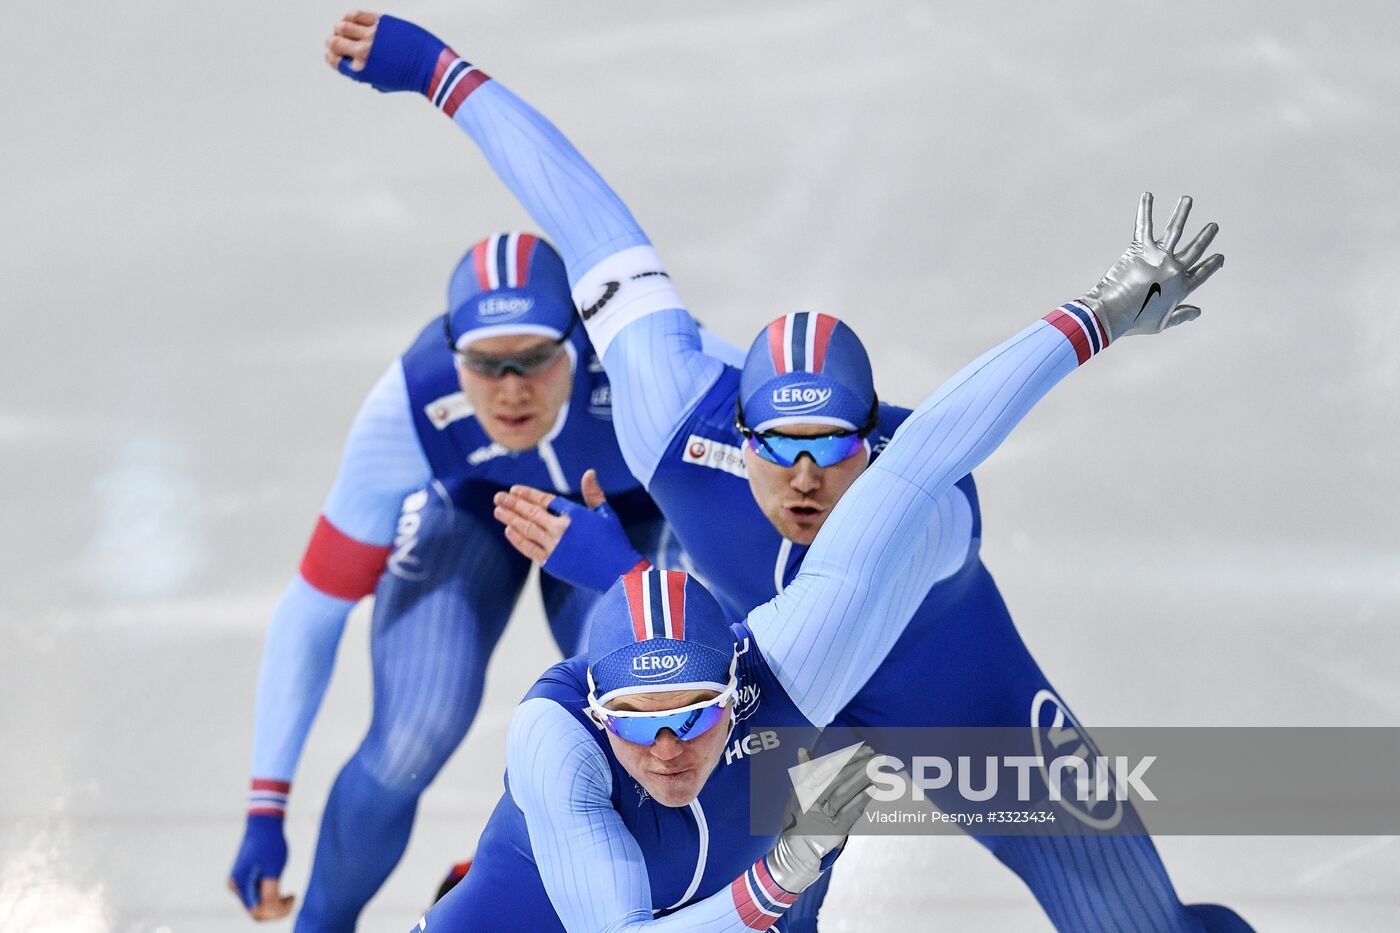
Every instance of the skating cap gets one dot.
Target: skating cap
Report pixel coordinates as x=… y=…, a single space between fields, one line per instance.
x=806 y=368
x=507 y=284
x=656 y=631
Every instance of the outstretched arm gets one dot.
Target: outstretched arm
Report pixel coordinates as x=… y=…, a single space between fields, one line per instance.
x=657 y=368
x=875 y=558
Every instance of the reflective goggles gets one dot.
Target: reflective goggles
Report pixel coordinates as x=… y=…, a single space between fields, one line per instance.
x=642 y=728
x=825 y=449
x=493 y=366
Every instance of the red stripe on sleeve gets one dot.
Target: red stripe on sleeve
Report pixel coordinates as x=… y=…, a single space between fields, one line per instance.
x=445 y=59
x=340 y=566
x=775 y=891
x=750 y=914
x=281 y=787
x=468 y=83
x=1071 y=328
x=675 y=598
x=636 y=600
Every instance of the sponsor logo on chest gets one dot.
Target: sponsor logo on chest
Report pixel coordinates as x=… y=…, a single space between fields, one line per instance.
x=751 y=744
x=443 y=411
x=702 y=451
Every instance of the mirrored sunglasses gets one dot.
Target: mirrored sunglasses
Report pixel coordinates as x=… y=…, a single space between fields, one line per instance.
x=688 y=724
x=825 y=450
x=528 y=363
x=642 y=727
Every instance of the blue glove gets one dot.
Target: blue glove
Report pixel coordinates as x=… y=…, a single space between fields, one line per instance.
x=401 y=58
x=594 y=550
x=263 y=854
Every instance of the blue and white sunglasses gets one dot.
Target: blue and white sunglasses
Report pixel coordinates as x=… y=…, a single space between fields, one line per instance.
x=642 y=727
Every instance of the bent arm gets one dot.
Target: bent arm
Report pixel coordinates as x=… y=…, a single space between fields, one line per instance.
x=616 y=276
x=648 y=342
x=591 y=865
x=877 y=555
x=381 y=464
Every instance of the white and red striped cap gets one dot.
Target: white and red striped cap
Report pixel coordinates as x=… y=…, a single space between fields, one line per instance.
x=658 y=631
x=508 y=284
x=806 y=368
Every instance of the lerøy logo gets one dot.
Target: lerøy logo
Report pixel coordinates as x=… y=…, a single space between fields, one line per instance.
x=800 y=398
x=659 y=664
x=504 y=307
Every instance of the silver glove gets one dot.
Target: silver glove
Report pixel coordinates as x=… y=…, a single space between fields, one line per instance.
x=1142 y=292
x=808 y=837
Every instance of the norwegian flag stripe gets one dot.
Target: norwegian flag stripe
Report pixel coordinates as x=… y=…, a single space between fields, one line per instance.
x=776 y=330
x=454 y=72
x=759 y=899
x=1081 y=326
x=445 y=60
x=453 y=81
x=469 y=82
x=479 y=263
x=821 y=338
x=675 y=600
x=503 y=244
x=798 y=342
x=524 y=250
x=635 y=585
x=268 y=797
x=657 y=608
x=1088 y=320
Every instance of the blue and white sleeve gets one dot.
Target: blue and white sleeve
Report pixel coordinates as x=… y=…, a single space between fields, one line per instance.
x=879 y=552
x=381 y=464
x=635 y=318
x=591 y=866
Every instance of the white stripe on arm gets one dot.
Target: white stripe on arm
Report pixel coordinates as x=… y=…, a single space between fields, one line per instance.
x=878 y=553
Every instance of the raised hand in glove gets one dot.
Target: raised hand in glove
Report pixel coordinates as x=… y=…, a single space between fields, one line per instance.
x=1142 y=292
x=812 y=838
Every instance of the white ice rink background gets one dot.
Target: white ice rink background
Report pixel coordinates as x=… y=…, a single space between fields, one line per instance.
x=212 y=246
